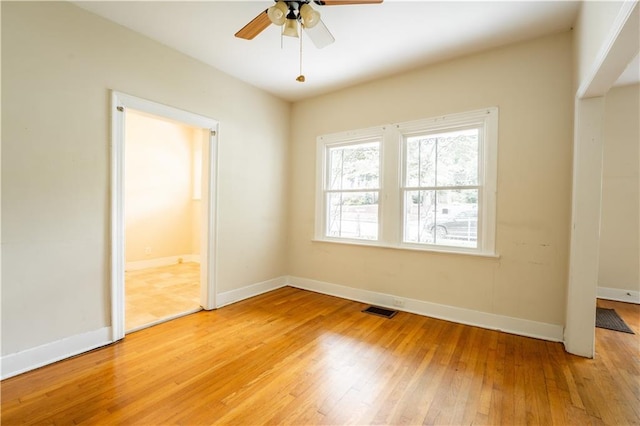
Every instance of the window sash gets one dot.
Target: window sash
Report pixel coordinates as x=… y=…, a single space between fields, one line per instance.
x=442 y=130
x=457 y=234
x=327 y=163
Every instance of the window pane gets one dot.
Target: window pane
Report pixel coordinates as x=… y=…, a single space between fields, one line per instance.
x=421 y=161
x=457 y=163
x=457 y=218
x=443 y=159
x=354 y=166
x=353 y=215
x=450 y=219
x=419 y=216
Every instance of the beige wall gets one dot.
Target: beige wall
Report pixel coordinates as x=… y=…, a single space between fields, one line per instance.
x=59 y=63
x=159 y=205
x=531 y=83
x=619 y=245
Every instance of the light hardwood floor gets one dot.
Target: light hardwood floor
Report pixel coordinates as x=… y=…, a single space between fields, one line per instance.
x=296 y=357
x=154 y=294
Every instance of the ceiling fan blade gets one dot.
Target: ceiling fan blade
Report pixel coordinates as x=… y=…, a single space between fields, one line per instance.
x=254 y=27
x=342 y=2
x=320 y=35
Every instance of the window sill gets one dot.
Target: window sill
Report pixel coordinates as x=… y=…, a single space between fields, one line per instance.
x=408 y=248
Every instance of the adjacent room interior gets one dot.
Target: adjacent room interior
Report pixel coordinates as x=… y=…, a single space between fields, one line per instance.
x=163 y=176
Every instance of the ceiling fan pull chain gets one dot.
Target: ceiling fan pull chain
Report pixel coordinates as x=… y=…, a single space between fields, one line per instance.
x=300 y=78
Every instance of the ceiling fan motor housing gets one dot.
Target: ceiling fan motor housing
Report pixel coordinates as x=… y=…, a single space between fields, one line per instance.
x=292 y=12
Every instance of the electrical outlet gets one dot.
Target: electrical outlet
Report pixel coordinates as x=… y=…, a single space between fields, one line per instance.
x=398 y=302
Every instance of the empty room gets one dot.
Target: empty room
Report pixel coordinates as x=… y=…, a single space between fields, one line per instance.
x=391 y=212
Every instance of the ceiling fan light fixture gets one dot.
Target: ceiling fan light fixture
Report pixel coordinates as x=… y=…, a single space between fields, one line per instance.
x=278 y=13
x=291 y=26
x=310 y=16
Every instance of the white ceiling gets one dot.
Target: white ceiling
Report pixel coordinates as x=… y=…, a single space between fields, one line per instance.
x=371 y=40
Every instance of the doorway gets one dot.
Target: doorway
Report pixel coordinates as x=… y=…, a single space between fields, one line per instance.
x=163 y=213
x=617 y=51
x=162 y=198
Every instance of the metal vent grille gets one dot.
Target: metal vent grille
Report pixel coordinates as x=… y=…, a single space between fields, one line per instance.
x=381 y=312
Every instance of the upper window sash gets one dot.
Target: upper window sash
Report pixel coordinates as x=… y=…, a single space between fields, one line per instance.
x=330 y=186
x=434 y=180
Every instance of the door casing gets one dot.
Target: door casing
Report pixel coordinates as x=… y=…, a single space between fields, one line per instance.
x=119 y=104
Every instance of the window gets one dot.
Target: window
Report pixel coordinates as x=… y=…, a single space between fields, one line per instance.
x=427 y=184
x=352 y=190
x=441 y=187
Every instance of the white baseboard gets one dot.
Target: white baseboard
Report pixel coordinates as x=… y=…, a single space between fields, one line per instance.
x=161 y=261
x=233 y=296
x=30 y=359
x=522 y=327
x=619 y=295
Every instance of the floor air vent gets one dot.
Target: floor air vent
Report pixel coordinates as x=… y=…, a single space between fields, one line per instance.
x=381 y=312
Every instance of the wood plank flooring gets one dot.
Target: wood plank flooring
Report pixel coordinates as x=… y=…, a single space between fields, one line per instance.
x=154 y=294
x=297 y=357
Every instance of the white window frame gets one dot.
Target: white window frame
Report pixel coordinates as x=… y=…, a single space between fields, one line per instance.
x=325 y=143
x=392 y=158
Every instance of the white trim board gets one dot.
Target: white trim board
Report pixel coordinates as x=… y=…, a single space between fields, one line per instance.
x=522 y=327
x=619 y=295
x=233 y=296
x=161 y=261
x=30 y=359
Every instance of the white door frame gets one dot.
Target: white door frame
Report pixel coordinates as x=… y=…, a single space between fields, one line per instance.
x=619 y=48
x=119 y=103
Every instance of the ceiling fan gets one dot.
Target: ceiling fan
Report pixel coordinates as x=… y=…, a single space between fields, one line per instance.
x=291 y=14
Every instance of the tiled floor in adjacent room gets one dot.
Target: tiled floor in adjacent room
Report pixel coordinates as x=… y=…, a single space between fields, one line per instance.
x=157 y=293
